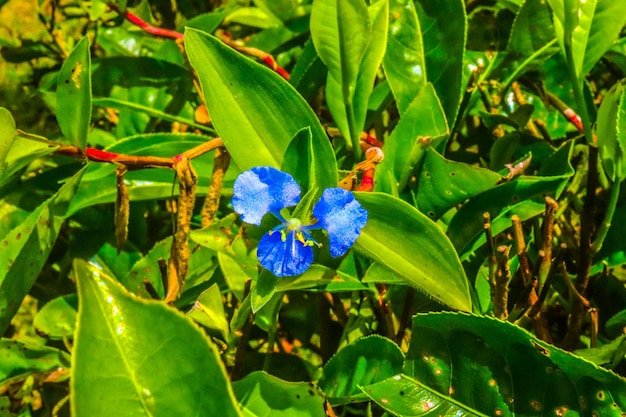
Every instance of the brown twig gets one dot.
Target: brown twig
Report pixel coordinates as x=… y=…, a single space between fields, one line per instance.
x=520 y=245
x=221 y=161
x=503 y=276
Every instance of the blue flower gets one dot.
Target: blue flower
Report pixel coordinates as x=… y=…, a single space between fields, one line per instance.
x=287 y=249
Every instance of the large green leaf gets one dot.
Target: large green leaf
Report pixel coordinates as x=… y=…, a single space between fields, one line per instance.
x=341 y=31
x=141 y=357
x=497 y=368
x=404 y=63
x=406 y=397
x=255 y=111
x=366 y=361
x=73 y=108
x=407 y=242
x=444 y=33
x=611 y=133
x=25 y=249
x=588 y=28
x=7 y=135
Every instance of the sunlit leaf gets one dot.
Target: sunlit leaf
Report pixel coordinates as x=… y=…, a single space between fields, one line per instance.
x=74 y=95
x=411 y=245
x=255 y=111
x=123 y=361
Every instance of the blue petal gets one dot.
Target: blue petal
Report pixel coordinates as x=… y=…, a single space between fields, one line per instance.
x=343 y=218
x=262 y=190
x=284 y=259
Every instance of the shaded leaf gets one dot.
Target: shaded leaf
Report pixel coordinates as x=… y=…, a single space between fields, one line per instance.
x=57 y=319
x=611 y=133
x=444 y=35
x=21 y=359
x=25 y=249
x=486 y=364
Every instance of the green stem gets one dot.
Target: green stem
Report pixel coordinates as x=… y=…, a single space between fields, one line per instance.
x=355 y=132
x=608 y=218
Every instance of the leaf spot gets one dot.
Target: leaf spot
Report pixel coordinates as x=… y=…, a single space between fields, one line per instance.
x=76 y=73
x=535 y=405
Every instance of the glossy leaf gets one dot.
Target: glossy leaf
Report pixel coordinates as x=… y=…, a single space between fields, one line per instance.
x=262 y=394
x=122 y=361
x=407 y=242
x=486 y=364
x=255 y=111
x=444 y=36
x=406 y=146
x=368 y=360
x=587 y=28
x=442 y=183
x=370 y=65
x=74 y=95
x=25 y=249
x=404 y=63
x=341 y=31
x=8 y=135
x=57 y=319
x=611 y=133
x=406 y=397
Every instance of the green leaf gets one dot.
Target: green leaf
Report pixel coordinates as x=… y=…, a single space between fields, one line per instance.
x=524 y=196
x=366 y=361
x=262 y=394
x=370 y=65
x=321 y=278
x=7 y=135
x=611 y=133
x=20 y=155
x=532 y=40
x=587 y=28
x=263 y=291
x=301 y=160
x=25 y=249
x=444 y=36
x=496 y=368
x=57 y=319
x=442 y=183
x=341 y=31
x=21 y=359
x=123 y=356
x=406 y=146
x=74 y=95
x=404 y=63
x=406 y=397
x=208 y=311
x=255 y=111
x=408 y=243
